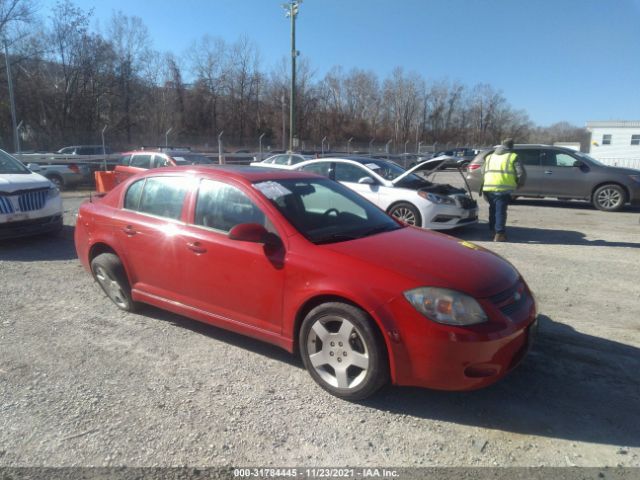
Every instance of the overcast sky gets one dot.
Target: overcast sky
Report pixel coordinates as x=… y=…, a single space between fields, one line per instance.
x=559 y=60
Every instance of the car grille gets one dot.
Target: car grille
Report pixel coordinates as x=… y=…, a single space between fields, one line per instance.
x=5 y=205
x=32 y=200
x=511 y=300
x=467 y=203
x=28 y=201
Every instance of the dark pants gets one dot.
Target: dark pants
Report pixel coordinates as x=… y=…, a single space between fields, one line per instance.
x=498 y=203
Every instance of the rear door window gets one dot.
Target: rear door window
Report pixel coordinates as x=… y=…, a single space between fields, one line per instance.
x=141 y=161
x=529 y=158
x=322 y=168
x=161 y=196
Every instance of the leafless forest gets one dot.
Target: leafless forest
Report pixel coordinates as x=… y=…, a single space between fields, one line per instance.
x=71 y=80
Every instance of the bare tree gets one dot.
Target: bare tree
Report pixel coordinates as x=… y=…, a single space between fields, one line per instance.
x=13 y=15
x=130 y=40
x=207 y=59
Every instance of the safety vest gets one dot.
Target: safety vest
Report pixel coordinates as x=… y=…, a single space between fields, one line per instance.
x=500 y=173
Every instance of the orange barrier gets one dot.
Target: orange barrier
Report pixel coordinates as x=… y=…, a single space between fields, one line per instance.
x=105 y=181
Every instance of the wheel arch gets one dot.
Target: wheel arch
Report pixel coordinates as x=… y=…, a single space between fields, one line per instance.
x=100 y=248
x=57 y=176
x=624 y=188
x=313 y=302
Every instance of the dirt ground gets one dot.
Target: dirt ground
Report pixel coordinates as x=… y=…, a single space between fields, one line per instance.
x=84 y=384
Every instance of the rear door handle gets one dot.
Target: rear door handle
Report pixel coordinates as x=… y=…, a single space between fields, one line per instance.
x=548 y=172
x=196 y=247
x=129 y=230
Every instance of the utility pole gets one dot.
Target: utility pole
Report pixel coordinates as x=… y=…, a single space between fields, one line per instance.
x=291 y=10
x=16 y=140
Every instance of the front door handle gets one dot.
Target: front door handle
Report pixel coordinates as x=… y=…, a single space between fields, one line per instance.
x=196 y=247
x=548 y=172
x=129 y=230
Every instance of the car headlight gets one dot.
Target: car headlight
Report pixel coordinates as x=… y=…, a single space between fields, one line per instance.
x=446 y=306
x=53 y=192
x=437 y=199
x=635 y=178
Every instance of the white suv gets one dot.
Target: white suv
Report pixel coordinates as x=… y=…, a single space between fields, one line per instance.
x=29 y=203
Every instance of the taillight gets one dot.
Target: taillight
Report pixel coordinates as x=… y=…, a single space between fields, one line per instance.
x=74 y=168
x=473 y=166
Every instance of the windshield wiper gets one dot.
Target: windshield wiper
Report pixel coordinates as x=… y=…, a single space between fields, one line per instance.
x=380 y=229
x=335 y=237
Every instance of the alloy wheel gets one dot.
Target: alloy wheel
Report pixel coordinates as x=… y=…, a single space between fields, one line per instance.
x=609 y=198
x=111 y=287
x=405 y=215
x=337 y=352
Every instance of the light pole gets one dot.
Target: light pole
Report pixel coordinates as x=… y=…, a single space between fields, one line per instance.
x=419 y=147
x=19 y=148
x=221 y=159
x=284 y=129
x=291 y=9
x=405 y=146
x=104 y=150
x=12 y=100
x=349 y=145
x=324 y=139
x=387 y=147
x=371 y=146
x=166 y=137
x=260 y=141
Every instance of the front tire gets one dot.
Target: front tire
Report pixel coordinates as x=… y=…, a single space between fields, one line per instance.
x=57 y=181
x=406 y=213
x=609 y=198
x=108 y=271
x=343 y=351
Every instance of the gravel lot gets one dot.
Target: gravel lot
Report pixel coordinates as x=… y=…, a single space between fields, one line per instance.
x=84 y=384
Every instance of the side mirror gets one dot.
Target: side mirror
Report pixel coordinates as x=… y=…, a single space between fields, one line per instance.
x=249 y=232
x=34 y=167
x=367 y=181
x=578 y=163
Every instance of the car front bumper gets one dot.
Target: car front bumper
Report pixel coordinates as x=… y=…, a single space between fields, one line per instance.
x=34 y=226
x=432 y=355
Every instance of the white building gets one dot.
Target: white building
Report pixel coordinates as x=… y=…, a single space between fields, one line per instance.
x=615 y=142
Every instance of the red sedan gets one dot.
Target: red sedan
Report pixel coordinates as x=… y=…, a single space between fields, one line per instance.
x=305 y=263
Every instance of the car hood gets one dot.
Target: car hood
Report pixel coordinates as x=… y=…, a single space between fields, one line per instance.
x=426 y=258
x=428 y=166
x=620 y=170
x=13 y=182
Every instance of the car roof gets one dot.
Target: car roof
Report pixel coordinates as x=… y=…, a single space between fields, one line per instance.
x=237 y=172
x=358 y=159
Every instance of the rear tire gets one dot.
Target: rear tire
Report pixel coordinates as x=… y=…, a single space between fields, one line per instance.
x=407 y=213
x=343 y=351
x=609 y=198
x=108 y=271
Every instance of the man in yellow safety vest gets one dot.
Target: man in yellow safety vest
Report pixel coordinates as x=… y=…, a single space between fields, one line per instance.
x=502 y=174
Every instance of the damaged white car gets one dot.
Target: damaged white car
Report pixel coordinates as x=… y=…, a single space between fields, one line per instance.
x=404 y=194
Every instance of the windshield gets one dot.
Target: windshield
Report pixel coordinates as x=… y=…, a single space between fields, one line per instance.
x=325 y=211
x=590 y=158
x=385 y=168
x=8 y=164
x=192 y=160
